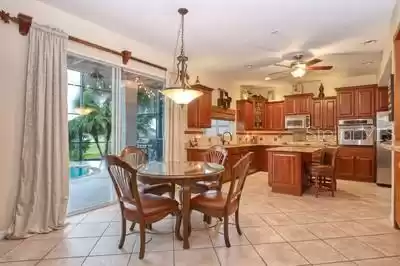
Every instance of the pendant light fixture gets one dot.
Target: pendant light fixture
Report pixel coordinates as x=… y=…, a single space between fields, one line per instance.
x=181 y=92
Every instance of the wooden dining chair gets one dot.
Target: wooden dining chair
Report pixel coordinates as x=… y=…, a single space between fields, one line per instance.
x=216 y=154
x=324 y=174
x=135 y=206
x=136 y=157
x=215 y=203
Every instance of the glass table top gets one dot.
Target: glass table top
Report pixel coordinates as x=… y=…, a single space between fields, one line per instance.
x=180 y=169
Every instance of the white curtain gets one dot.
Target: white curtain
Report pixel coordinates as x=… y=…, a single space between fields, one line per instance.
x=43 y=190
x=175 y=125
x=118 y=113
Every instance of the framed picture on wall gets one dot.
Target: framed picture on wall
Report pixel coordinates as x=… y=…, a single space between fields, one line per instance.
x=391 y=97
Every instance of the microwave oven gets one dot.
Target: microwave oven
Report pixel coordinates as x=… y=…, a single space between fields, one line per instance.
x=360 y=132
x=297 y=121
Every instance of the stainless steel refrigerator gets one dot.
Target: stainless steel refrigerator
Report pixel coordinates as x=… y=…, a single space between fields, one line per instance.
x=383 y=156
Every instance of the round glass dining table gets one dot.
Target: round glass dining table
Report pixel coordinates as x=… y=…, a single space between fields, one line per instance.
x=183 y=174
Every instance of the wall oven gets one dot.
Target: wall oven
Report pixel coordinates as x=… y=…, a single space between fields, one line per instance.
x=360 y=132
x=297 y=121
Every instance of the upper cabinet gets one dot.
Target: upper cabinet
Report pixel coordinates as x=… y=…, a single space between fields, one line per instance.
x=298 y=104
x=274 y=116
x=323 y=115
x=356 y=102
x=199 y=110
x=251 y=114
x=382 y=99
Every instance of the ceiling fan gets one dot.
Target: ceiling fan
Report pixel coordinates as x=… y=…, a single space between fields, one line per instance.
x=298 y=68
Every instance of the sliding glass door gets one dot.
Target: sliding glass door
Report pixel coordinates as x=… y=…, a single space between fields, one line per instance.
x=108 y=109
x=144 y=106
x=90 y=130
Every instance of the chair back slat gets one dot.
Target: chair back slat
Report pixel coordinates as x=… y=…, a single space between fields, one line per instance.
x=124 y=179
x=216 y=154
x=239 y=175
x=134 y=156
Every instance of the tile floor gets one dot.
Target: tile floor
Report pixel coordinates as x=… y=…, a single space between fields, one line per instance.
x=278 y=230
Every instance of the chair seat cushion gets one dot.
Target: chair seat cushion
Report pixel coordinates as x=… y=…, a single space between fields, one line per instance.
x=212 y=201
x=152 y=205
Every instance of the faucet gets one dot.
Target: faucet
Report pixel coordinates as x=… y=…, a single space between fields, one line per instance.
x=223 y=137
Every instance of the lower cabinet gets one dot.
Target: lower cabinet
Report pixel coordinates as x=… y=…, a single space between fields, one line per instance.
x=356 y=164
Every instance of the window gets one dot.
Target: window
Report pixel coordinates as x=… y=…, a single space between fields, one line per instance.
x=145 y=113
x=218 y=127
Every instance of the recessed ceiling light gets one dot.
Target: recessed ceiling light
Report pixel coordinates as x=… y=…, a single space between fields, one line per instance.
x=275 y=32
x=369 y=42
x=249 y=66
x=267 y=78
x=368 y=62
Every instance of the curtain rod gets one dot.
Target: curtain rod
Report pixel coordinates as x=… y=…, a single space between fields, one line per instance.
x=24 y=22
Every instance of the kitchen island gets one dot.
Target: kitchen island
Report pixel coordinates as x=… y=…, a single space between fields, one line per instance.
x=260 y=158
x=286 y=169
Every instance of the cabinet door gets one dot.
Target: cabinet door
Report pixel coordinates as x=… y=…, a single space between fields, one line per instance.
x=345 y=167
x=365 y=102
x=303 y=105
x=289 y=107
x=269 y=107
x=316 y=115
x=364 y=169
x=259 y=115
x=329 y=114
x=345 y=104
x=278 y=119
x=193 y=110
x=382 y=99
x=204 y=111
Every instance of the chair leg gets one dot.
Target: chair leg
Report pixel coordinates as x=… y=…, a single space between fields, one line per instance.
x=132 y=226
x=142 y=240
x=123 y=233
x=149 y=226
x=178 y=224
x=333 y=188
x=190 y=223
x=237 y=222
x=172 y=193
x=226 y=231
x=317 y=184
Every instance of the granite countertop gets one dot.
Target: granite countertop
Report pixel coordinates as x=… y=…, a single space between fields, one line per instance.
x=287 y=144
x=295 y=149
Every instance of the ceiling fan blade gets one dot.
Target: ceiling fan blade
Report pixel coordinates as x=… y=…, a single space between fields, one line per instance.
x=319 y=67
x=281 y=65
x=313 y=62
x=280 y=72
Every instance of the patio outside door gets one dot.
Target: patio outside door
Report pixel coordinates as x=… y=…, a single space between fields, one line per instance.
x=90 y=86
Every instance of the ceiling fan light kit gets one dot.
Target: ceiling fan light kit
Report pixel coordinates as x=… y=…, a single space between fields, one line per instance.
x=299 y=70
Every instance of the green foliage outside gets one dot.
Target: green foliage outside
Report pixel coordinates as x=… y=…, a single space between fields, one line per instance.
x=93 y=130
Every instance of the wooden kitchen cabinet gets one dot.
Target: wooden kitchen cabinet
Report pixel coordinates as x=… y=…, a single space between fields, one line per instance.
x=199 y=110
x=356 y=102
x=244 y=112
x=329 y=114
x=365 y=102
x=316 y=114
x=356 y=164
x=323 y=115
x=382 y=99
x=274 y=117
x=298 y=104
x=346 y=103
x=251 y=114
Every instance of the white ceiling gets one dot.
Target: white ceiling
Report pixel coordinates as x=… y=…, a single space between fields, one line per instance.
x=223 y=36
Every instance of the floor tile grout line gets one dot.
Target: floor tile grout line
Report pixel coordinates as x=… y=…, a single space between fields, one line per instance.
x=83 y=262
